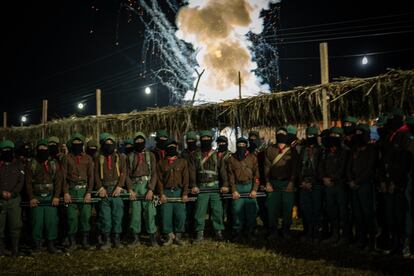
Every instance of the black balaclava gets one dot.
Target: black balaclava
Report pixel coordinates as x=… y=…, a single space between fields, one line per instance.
x=240 y=152
x=139 y=146
x=171 y=151
x=76 y=148
x=281 y=138
x=205 y=145
x=335 y=141
x=311 y=141
x=53 y=150
x=191 y=145
x=108 y=149
x=91 y=152
x=42 y=155
x=7 y=155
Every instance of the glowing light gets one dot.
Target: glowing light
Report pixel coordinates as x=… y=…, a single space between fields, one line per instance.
x=23 y=119
x=81 y=106
x=364 y=60
x=147 y=90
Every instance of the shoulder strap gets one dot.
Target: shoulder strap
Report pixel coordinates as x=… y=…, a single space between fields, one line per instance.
x=117 y=160
x=280 y=156
x=101 y=165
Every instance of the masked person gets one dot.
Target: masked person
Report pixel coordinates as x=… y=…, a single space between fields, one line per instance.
x=258 y=149
x=332 y=171
x=141 y=181
x=43 y=189
x=310 y=187
x=243 y=174
x=280 y=174
x=92 y=149
x=223 y=154
x=110 y=175
x=128 y=146
x=395 y=181
x=360 y=176
x=160 y=146
x=11 y=184
x=189 y=155
x=173 y=180
x=78 y=184
x=207 y=177
x=348 y=126
x=23 y=151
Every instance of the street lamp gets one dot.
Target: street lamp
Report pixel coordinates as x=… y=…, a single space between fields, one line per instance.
x=147 y=90
x=23 y=119
x=364 y=60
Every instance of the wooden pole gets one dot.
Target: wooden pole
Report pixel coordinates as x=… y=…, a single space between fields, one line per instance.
x=240 y=115
x=196 y=87
x=44 y=117
x=323 y=51
x=98 y=112
x=4 y=119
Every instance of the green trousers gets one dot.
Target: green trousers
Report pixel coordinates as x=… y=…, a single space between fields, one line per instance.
x=44 y=218
x=173 y=214
x=201 y=208
x=10 y=212
x=78 y=214
x=363 y=210
x=244 y=210
x=111 y=212
x=142 y=208
x=280 y=203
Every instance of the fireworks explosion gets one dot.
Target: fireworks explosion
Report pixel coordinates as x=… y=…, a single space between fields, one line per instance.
x=219 y=38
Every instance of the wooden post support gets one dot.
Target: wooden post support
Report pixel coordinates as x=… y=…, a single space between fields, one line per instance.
x=44 y=117
x=98 y=112
x=240 y=115
x=323 y=51
x=4 y=119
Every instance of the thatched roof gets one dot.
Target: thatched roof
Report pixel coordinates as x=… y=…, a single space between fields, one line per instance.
x=361 y=97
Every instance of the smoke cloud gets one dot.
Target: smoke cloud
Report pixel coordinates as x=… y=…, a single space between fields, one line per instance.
x=217 y=30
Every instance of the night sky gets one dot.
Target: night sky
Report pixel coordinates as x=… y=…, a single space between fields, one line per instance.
x=50 y=52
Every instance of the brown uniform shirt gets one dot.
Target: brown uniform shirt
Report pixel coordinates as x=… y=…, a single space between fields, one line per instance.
x=246 y=170
x=43 y=173
x=77 y=168
x=11 y=177
x=110 y=172
x=285 y=169
x=137 y=166
x=173 y=175
x=222 y=158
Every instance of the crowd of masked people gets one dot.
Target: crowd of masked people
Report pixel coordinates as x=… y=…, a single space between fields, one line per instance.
x=352 y=184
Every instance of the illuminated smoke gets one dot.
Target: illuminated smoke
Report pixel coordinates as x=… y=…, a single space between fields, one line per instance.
x=217 y=30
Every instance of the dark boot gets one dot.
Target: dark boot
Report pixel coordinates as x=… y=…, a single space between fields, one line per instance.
x=37 y=247
x=15 y=247
x=135 y=242
x=169 y=240
x=85 y=241
x=153 y=240
x=117 y=241
x=199 y=237
x=237 y=237
x=72 y=242
x=51 y=247
x=219 y=236
x=106 y=242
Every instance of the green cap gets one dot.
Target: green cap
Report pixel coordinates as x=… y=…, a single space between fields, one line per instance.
x=42 y=142
x=222 y=138
x=382 y=120
x=242 y=140
x=92 y=143
x=128 y=141
x=106 y=136
x=207 y=133
x=140 y=134
x=351 y=119
x=162 y=133
x=171 y=142
x=337 y=130
x=6 y=144
x=410 y=120
x=254 y=133
x=191 y=135
x=53 y=139
x=291 y=129
x=312 y=130
x=77 y=136
x=363 y=127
